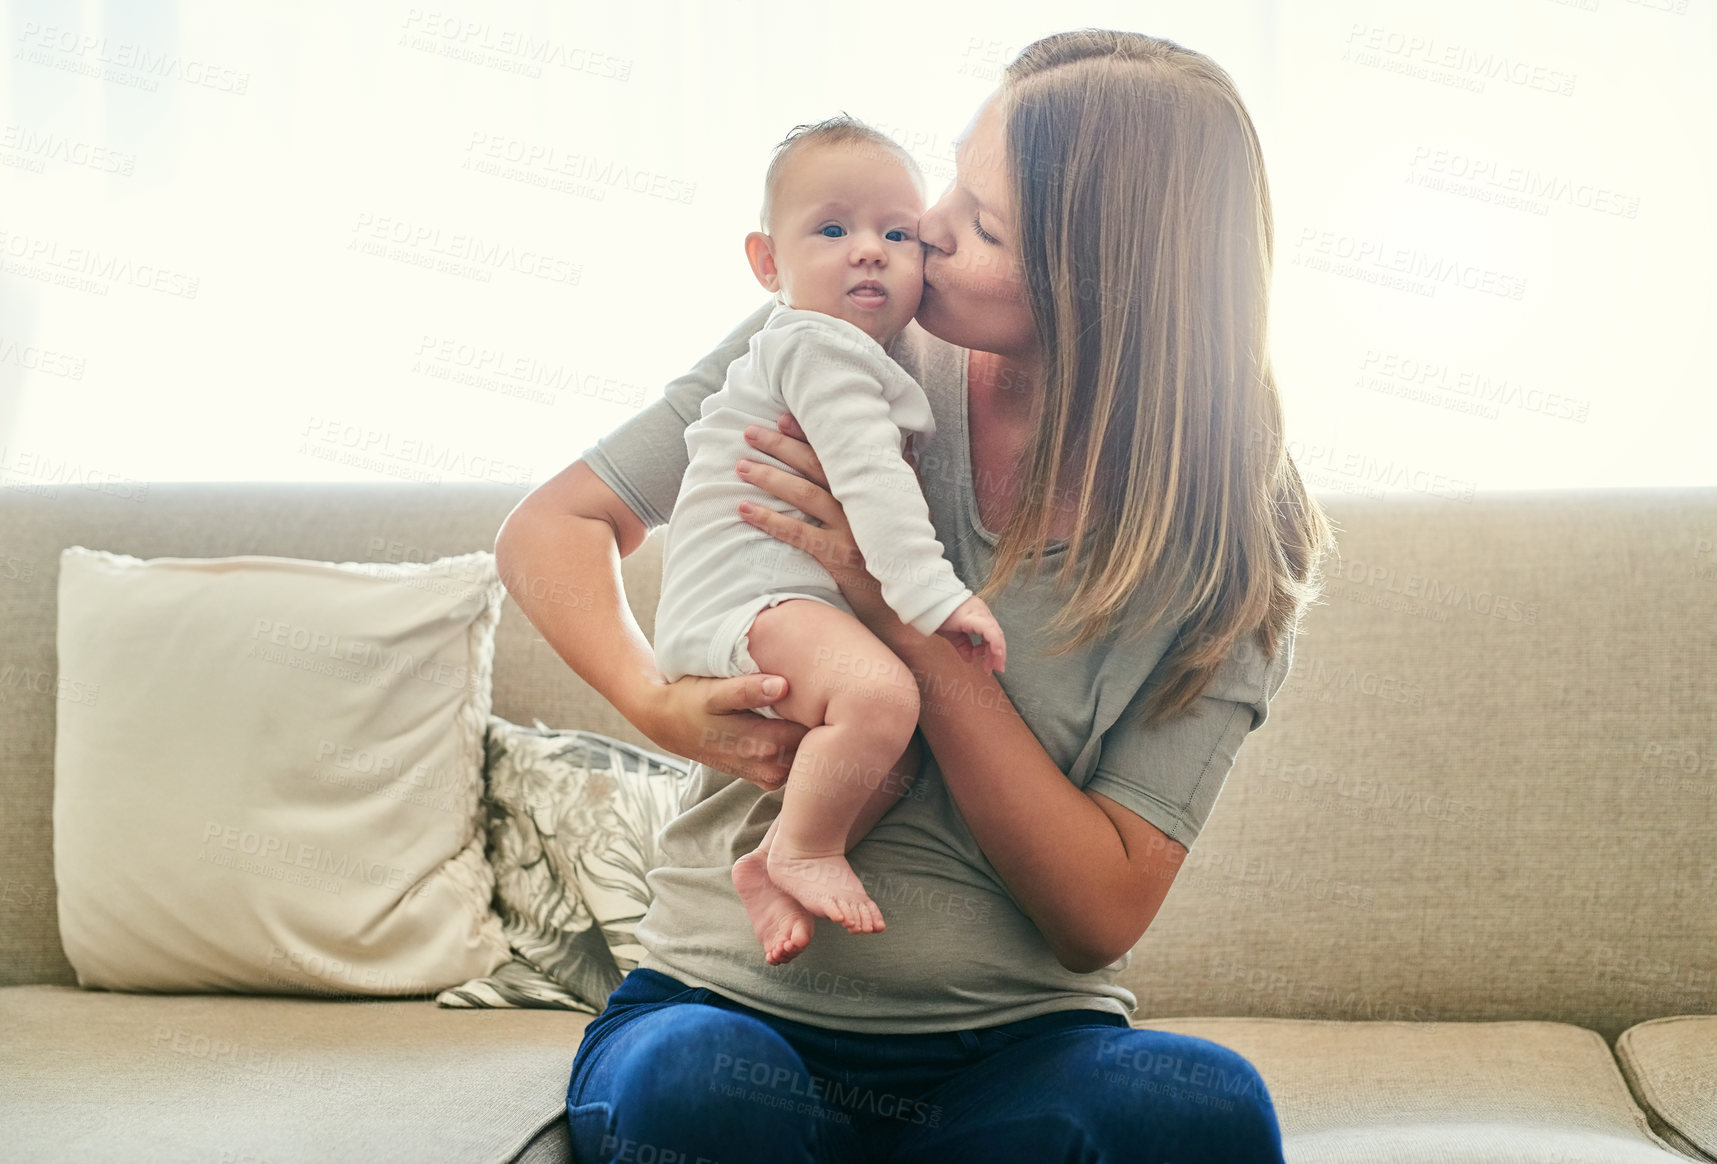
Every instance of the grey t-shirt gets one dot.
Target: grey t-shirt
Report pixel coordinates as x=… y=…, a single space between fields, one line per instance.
x=957 y=952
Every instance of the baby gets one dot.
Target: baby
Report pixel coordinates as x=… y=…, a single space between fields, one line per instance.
x=839 y=248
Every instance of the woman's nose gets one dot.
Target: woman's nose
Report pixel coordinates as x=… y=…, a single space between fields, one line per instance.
x=933 y=230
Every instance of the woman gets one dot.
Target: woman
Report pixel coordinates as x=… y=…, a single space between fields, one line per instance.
x=1092 y=339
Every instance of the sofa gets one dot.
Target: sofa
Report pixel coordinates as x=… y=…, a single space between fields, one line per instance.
x=1457 y=901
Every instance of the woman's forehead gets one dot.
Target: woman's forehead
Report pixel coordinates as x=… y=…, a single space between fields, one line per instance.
x=985 y=124
x=979 y=158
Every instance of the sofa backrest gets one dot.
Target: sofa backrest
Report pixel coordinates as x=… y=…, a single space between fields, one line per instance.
x=1488 y=790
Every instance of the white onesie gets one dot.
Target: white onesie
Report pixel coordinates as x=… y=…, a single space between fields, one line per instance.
x=854 y=403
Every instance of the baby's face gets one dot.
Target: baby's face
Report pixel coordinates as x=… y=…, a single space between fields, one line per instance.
x=845 y=238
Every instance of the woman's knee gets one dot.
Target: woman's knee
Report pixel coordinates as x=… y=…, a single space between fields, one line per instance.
x=689 y=1083
x=1212 y=1093
x=686 y=1052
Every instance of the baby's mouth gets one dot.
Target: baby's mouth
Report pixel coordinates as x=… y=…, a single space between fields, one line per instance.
x=868 y=294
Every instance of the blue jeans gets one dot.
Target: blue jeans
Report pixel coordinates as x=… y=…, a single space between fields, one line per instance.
x=674 y=1074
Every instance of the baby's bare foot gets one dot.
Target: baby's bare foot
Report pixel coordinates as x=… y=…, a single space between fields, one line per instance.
x=782 y=925
x=828 y=887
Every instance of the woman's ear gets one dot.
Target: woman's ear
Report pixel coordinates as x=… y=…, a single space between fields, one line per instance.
x=760 y=253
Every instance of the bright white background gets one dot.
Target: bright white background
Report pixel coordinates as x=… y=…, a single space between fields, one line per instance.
x=220 y=225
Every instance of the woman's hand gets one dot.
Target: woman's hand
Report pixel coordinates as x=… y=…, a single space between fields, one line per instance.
x=710 y=720
x=831 y=543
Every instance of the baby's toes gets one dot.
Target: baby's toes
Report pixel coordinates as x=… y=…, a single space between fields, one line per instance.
x=860 y=923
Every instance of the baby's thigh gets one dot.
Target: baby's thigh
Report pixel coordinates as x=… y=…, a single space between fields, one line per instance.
x=829 y=656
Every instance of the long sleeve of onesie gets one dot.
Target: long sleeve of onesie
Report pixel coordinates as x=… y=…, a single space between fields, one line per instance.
x=845 y=393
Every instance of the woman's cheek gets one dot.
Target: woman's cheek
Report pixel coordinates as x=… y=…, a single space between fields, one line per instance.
x=993 y=278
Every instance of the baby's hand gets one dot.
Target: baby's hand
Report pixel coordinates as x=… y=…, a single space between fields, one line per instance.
x=974 y=616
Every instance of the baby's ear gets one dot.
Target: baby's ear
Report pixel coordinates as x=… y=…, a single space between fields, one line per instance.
x=760 y=253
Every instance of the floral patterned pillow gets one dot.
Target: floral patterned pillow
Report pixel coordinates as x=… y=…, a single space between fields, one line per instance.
x=573 y=818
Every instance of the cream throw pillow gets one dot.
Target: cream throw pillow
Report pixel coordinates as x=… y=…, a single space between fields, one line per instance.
x=278 y=790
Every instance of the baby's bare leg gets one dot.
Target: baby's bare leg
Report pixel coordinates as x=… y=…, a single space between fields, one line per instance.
x=783 y=926
x=861 y=705
x=896 y=782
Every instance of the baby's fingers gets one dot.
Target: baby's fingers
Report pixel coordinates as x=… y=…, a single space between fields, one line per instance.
x=959 y=640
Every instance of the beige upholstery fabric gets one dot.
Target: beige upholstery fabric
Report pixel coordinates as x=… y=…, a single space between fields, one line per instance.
x=1436 y=1093
x=552 y=1145
x=1456 y=816
x=93 y=1076
x=1671 y=1064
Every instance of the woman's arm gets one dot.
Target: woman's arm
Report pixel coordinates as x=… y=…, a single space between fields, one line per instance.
x=1090 y=873
x=559 y=554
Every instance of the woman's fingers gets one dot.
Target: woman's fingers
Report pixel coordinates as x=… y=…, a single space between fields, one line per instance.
x=807 y=497
x=832 y=547
x=745 y=692
x=788 y=449
x=823 y=533
x=742 y=743
x=710 y=720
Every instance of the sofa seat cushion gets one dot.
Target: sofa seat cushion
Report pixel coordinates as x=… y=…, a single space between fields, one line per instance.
x=1671 y=1063
x=1443 y=1092
x=96 y=1076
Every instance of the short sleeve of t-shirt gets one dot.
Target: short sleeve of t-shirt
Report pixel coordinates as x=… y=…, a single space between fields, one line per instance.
x=644 y=459
x=1171 y=774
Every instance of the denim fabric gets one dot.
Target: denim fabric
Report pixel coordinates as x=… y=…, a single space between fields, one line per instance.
x=675 y=1074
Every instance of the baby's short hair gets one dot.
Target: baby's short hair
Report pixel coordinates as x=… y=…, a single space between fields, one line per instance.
x=840 y=130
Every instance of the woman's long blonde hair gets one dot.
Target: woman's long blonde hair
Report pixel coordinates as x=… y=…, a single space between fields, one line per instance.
x=1145 y=239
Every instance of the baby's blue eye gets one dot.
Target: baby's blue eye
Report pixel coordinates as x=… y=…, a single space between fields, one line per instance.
x=901 y=233
x=832 y=226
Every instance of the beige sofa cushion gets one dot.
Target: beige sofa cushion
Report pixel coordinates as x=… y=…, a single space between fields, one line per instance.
x=1435 y=1093
x=92 y=1076
x=1671 y=1064
x=273 y=783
